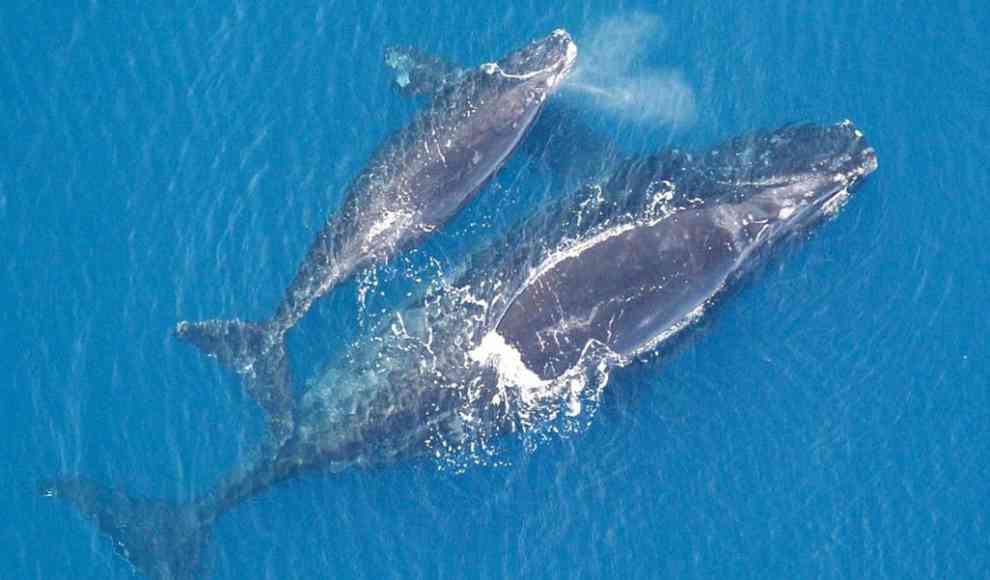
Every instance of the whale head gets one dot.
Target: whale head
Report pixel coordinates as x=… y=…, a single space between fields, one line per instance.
x=547 y=60
x=792 y=178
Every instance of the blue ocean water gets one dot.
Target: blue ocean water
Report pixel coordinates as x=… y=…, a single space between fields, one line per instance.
x=164 y=162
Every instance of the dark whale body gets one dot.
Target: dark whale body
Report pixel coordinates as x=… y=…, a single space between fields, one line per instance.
x=416 y=182
x=635 y=282
x=622 y=268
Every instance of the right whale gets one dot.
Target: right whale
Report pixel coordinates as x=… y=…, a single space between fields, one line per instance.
x=415 y=182
x=634 y=284
x=590 y=283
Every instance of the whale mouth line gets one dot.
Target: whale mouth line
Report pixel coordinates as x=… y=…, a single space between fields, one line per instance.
x=494 y=68
x=555 y=71
x=830 y=204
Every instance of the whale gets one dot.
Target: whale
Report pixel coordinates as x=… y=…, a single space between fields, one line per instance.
x=561 y=140
x=633 y=284
x=527 y=329
x=415 y=182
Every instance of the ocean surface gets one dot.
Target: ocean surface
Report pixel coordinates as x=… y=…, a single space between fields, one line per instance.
x=164 y=161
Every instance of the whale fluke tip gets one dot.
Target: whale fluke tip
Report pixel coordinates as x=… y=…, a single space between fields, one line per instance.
x=161 y=540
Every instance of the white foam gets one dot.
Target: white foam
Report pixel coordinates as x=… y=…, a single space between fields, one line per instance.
x=507 y=360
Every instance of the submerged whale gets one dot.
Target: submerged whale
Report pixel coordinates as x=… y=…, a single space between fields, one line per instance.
x=416 y=181
x=593 y=282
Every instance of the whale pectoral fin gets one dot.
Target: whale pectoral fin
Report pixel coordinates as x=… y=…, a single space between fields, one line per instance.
x=256 y=354
x=161 y=540
x=418 y=73
x=236 y=344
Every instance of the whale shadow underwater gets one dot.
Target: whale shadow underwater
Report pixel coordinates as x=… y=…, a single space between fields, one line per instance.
x=524 y=332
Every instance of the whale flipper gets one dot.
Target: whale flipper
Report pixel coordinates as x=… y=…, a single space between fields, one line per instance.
x=236 y=344
x=163 y=541
x=418 y=73
x=257 y=354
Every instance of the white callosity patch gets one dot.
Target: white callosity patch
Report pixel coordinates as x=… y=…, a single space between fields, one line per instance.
x=493 y=68
x=832 y=205
x=571 y=55
x=835 y=203
x=554 y=72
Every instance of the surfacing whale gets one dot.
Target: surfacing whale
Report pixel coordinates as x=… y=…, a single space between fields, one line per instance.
x=561 y=140
x=415 y=182
x=530 y=329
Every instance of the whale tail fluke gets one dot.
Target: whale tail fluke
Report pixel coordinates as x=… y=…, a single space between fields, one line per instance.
x=237 y=344
x=161 y=540
x=259 y=355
